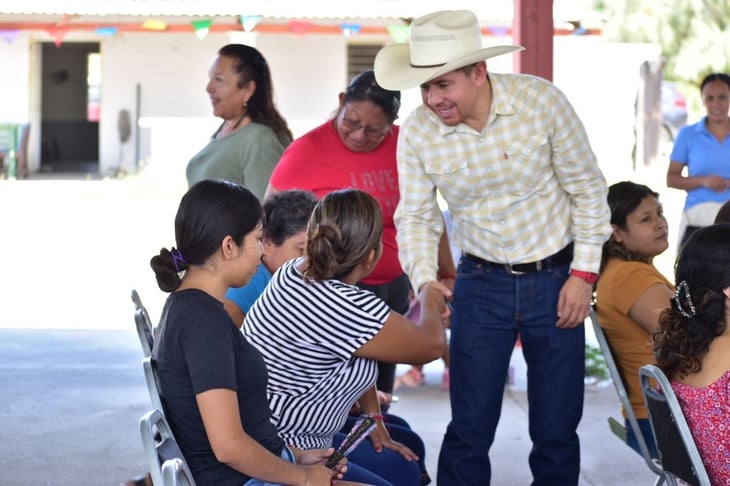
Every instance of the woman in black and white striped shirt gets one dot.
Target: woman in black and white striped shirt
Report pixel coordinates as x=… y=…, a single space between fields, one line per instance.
x=321 y=335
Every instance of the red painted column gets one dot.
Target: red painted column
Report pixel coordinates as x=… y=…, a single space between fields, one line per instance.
x=533 y=29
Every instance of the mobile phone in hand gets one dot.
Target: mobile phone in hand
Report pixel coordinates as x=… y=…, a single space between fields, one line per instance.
x=362 y=428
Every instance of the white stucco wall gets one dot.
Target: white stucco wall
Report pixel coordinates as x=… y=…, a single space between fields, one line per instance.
x=171 y=71
x=176 y=117
x=14 y=71
x=15 y=86
x=308 y=72
x=601 y=80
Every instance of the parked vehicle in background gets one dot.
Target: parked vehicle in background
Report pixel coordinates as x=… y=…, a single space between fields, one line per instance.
x=674 y=117
x=674 y=110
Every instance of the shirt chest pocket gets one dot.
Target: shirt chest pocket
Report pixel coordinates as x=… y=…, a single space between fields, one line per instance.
x=527 y=163
x=453 y=178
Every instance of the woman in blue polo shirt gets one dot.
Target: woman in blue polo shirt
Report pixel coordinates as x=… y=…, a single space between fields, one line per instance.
x=704 y=148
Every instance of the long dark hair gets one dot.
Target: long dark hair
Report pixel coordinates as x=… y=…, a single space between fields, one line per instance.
x=208 y=212
x=345 y=226
x=251 y=66
x=623 y=198
x=699 y=308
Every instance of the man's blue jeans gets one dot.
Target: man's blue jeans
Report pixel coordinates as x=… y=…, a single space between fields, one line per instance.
x=491 y=307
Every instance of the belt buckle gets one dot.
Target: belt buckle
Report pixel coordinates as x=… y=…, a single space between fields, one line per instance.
x=508 y=268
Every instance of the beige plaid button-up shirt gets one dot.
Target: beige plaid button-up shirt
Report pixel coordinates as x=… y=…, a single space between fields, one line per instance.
x=519 y=191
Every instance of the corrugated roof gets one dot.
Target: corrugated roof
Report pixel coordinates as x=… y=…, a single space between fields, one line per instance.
x=486 y=10
x=128 y=15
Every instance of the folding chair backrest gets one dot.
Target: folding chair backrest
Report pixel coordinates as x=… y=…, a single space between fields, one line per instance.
x=618 y=382
x=136 y=300
x=150 y=376
x=144 y=332
x=145 y=329
x=677 y=449
x=160 y=446
x=176 y=473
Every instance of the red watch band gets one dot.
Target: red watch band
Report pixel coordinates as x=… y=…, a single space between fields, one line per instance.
x=589 y=277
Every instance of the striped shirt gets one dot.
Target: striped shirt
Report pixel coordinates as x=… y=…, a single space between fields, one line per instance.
x=307 y=333
x=520 y=190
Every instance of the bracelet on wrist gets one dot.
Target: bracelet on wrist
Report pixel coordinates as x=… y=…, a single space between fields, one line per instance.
x=380 y=417
x=443 y=276
x=588 y=277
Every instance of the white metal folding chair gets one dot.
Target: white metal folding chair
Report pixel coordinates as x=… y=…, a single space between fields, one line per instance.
x=145 y=329
x=618 y=428
x=175 y=472
x=160 y=446
x=150 y=376
x=677 y=449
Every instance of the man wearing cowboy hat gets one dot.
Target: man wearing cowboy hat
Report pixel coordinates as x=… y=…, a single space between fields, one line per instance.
x=512 y=160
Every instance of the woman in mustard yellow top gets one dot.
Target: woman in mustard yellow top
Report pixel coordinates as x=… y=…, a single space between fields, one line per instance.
x=631 y=292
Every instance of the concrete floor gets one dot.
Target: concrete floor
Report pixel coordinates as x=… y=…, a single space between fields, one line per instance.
x=70 y=407
x=72 y=400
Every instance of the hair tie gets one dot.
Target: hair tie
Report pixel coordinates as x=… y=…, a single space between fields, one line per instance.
x=178 y=260
x=683 y=286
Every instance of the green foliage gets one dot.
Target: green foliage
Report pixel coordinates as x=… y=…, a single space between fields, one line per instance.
x=595 y=364
x=694 y=35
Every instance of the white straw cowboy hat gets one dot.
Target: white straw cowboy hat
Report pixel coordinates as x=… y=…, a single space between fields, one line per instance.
x=439 y=42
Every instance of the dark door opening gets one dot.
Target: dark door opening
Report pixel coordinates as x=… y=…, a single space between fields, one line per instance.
x=70 y=92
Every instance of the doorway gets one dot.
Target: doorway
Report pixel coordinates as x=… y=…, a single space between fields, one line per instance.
x=70 y=96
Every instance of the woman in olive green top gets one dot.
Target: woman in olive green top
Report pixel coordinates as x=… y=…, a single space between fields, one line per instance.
x=253 y=134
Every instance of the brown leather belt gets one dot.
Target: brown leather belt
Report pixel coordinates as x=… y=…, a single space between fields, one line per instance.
x=562 y=257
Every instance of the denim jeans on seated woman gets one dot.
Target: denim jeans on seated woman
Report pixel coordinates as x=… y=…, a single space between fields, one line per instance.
x=354 y=473
x=400 y=431
x=384 y=468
